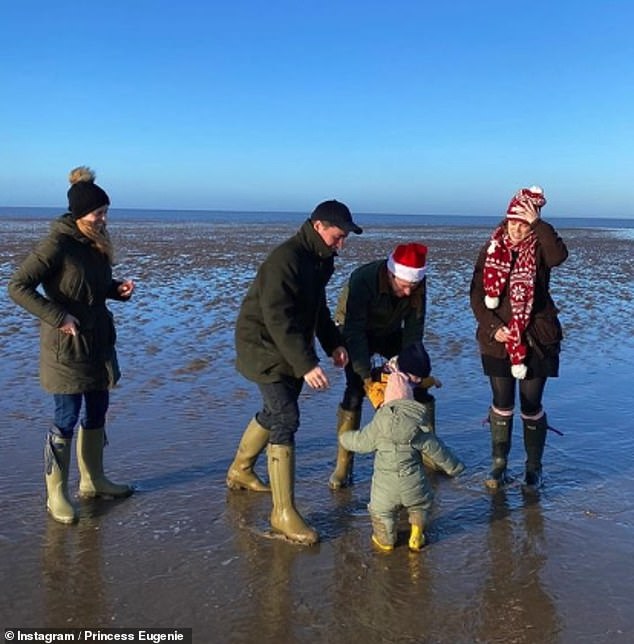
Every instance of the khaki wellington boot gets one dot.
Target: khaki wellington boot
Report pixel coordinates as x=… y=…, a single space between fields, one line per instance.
x=342 y=476
x=92 y=480
x=57 y=461
x=240 y=475
x=285 y=519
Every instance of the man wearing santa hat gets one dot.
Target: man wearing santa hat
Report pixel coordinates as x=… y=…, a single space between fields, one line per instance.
x=381 y=310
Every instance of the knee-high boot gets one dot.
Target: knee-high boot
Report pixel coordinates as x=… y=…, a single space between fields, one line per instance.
x=534 y=441
x=342 y=476
x=501 y=430
x=57 y=464
x=92 y=480
x=240 y=475
x=285 y=519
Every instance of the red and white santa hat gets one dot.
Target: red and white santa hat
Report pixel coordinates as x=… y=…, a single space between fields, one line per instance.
x=407 y=262
x=516 y=207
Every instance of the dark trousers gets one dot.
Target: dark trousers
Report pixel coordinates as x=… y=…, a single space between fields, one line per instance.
x=280 y=410
x=68 y=407
x=530 y=390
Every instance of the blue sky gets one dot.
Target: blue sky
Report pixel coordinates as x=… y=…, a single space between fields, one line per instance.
x=397 y=107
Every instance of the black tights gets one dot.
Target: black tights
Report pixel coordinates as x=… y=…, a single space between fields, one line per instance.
x=531 y=391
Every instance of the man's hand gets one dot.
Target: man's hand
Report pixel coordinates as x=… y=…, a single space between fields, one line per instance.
x=317 y=378
x=340 y=357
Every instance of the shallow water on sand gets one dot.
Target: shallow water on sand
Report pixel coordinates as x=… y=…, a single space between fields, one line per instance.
x=186 y=552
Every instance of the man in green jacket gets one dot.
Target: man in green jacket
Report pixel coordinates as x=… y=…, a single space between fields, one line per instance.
x=284 y=310
x=380 y=311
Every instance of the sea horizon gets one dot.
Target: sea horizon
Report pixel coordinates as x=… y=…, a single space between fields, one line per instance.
x=8 y=213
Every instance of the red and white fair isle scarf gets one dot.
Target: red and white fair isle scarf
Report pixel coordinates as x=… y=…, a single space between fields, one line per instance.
x=499 y=268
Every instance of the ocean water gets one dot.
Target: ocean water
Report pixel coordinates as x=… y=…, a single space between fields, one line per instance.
x=184 y=551
x=223 y=217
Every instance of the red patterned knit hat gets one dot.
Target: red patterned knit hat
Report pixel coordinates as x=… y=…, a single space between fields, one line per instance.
x=407 y=262
x=534 y=195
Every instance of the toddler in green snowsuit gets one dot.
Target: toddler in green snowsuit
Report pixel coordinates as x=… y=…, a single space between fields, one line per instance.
x=400 y=434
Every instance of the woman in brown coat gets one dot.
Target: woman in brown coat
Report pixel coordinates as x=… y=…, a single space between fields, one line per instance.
x=518 y=332
x=78 y=362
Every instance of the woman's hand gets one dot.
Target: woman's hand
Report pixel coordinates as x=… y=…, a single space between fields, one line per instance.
x=126 y=288
x=69 y=325
x=502 y=334
x=528 y=210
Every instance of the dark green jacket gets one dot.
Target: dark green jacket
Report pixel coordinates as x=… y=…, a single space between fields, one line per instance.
x=285 y=308
x=373 y=320
x=76 y=279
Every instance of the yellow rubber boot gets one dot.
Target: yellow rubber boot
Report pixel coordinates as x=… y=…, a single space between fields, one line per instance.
x=383 y=535
x=342 y=476
x=416 y=538
x=285 y=519
x=92 y=480
x=240 y=475
x=57 y=459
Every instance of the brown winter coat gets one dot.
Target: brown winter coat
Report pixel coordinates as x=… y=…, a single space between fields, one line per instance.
x=76 y=279
x=544 y=329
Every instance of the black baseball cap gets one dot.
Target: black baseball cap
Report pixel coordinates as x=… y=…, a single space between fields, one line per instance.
x=337 y=214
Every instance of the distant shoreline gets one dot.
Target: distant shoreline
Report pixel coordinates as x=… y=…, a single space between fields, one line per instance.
x=22 y=213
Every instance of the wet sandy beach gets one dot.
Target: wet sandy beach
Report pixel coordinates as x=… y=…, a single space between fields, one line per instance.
x=186 y=552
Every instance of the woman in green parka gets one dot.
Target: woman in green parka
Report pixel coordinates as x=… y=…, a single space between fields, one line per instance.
x=78 y=361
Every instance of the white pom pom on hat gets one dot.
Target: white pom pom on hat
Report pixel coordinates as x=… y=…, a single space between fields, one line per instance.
x=407 y=262
x=516 y=208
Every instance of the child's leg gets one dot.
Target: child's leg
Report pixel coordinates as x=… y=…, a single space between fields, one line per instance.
x=418 y=521
x=383 y=530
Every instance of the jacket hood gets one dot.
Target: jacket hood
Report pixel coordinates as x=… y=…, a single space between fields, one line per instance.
x=65 y=225
x=312 y=240
x=410 y=413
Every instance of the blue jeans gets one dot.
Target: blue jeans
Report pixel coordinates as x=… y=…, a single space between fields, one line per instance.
x=68 y=406
x=280 y=411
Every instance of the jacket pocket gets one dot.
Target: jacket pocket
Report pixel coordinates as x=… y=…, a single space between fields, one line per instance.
x=72 y=349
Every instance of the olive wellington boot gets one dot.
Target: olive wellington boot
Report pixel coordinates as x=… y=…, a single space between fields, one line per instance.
x=57 y=464
x=534 y=441
x=342 y=476
x=285 y=519
x=92 y=480
x=501 y=429
x=240 y=475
